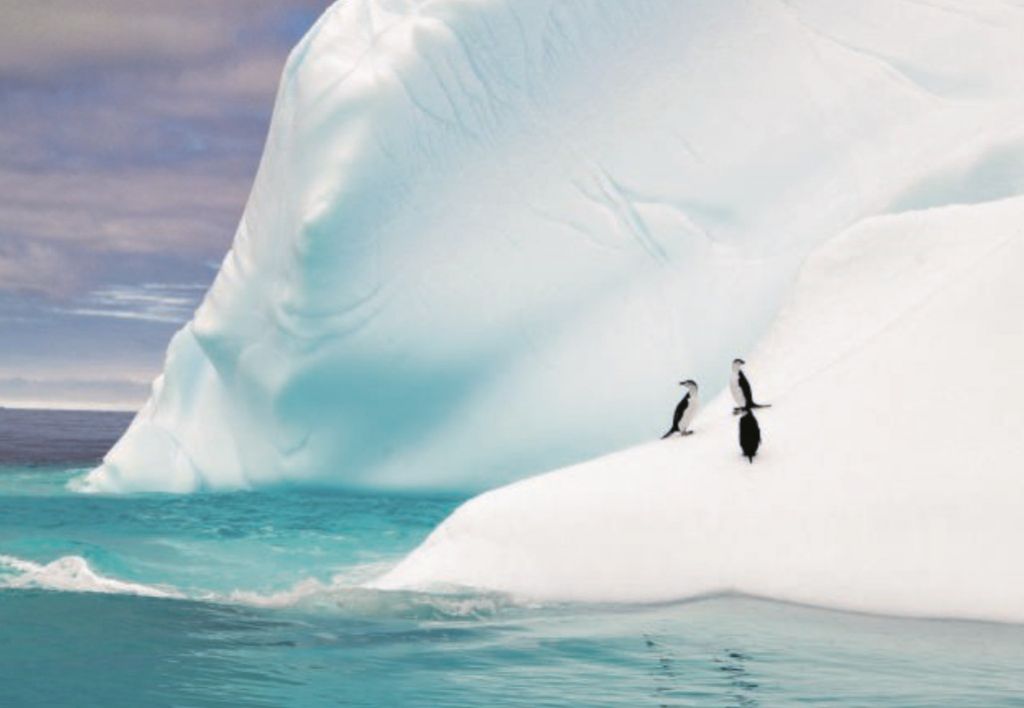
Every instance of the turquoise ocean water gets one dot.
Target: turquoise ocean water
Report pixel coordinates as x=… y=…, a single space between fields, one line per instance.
x=253 y=599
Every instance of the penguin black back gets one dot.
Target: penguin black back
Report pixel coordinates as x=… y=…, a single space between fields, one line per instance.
x=750 y=435
x=685 y=410
x=678 y=416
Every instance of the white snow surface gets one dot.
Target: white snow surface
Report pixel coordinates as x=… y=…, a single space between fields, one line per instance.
x=487 y=237
x=890 y=477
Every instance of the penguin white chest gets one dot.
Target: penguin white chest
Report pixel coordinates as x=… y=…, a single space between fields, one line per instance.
x=734 y=389
x=691 y=411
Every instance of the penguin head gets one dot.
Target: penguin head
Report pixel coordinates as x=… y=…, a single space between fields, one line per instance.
x=690 y=385
x=737 y=364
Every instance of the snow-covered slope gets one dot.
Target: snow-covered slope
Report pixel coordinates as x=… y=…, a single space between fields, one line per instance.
x=890 y=479
x=487 y=236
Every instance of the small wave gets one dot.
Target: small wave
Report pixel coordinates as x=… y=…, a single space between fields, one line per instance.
x=71 y=574
x=346 y=593
x=349 y=593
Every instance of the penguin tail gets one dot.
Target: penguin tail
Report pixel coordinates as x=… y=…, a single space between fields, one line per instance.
x=750 y=459
x=673 y=430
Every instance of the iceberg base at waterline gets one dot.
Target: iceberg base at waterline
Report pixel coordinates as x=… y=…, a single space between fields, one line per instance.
x=890 y=479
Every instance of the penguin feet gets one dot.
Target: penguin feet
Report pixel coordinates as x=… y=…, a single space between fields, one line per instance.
x=686 y=432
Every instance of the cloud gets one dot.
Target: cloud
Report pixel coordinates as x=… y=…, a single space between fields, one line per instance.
x=151 y=302
x=130 y=132
x=26 y=264
x=61 y=232
x=131 y=127
x=122 y=394
x=139 y=209
x=41 y=38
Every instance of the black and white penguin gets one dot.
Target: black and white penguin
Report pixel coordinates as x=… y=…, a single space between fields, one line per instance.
x=739 y=386
x=750 y=436
x=685 y=411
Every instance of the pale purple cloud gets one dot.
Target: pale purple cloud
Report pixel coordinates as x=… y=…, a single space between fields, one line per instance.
x=130 y=131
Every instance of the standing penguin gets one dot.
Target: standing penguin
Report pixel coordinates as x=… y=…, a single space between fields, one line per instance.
x=739 y=386
x=750 y=436
x=685 y=411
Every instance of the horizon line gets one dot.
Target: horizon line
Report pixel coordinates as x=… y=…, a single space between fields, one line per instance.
x=73 y=406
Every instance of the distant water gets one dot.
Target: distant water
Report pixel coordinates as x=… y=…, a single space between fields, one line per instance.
x=32 y=437
x=253 y=599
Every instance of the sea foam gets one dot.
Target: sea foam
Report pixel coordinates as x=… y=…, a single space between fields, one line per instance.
x=71 y=574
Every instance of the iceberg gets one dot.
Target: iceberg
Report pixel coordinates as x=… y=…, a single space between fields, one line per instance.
x=487 y=236
x=889 y=479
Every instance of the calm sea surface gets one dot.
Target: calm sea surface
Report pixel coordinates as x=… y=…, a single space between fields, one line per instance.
x=253 y=599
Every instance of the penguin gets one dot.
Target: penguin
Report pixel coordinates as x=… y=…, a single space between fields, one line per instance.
x=750 y=436
x=739 y=386
x=685 y=411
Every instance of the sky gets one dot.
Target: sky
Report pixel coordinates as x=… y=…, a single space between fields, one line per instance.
x=130 y=132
